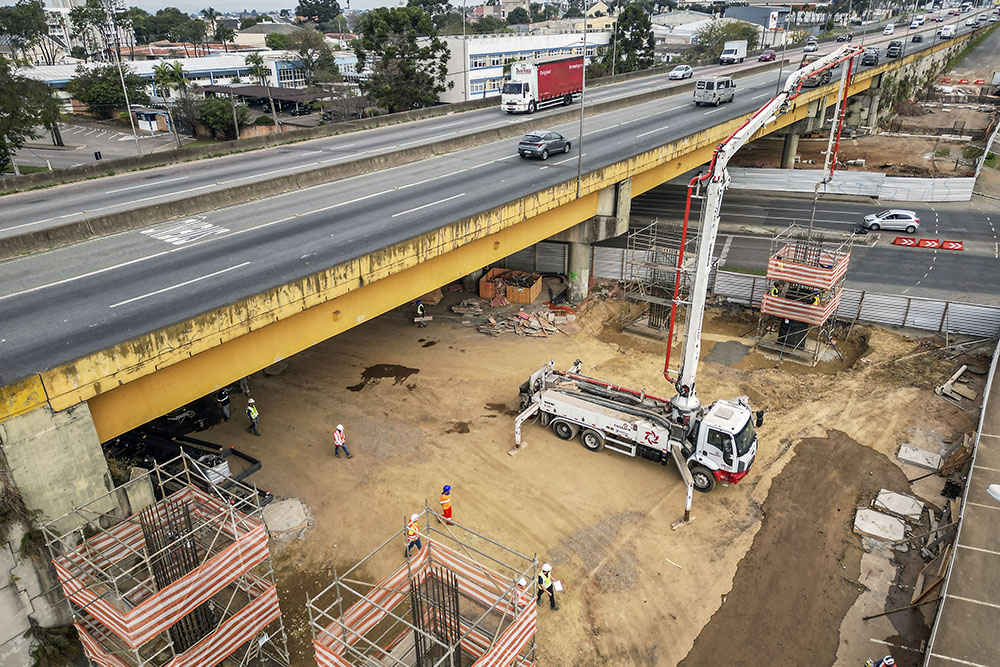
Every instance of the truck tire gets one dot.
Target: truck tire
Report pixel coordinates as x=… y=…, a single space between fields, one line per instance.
x=564 y=430
x=704 y=480
x=531 y=106
x=592 y=440
x=568 y=100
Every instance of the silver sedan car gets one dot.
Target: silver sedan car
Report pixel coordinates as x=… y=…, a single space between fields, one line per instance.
x=542 y=143
x=681 y=72
x=894 y=219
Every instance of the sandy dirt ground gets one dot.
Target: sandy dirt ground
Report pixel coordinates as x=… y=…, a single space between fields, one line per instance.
x=764 y=574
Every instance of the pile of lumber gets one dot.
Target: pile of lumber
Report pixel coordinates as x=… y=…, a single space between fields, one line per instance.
x=469 y=307
x=537 y=324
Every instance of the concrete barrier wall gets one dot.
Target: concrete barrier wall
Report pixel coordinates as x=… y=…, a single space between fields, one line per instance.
x=82 y=230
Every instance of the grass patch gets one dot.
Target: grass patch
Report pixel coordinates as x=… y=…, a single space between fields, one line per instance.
x=942 y=152
x=971 y=152
x=993 y=160
x=26 y=169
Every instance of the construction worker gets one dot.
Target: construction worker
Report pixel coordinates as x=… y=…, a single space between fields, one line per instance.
x=815 y=298
x=412 y=534
x=521 y=593
x=545 y=586
x=254 y=416
x=887 y=661
x=446 y=503
x=222 y=398
x=340 y=442
x=421 y=312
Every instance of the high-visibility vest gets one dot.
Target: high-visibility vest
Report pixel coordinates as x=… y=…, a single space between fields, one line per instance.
x=420 y=310
x=815 y=299
x=252 y=411
x=412 y=532
x=522 y=597
x=775 y=291
x=544 y=581
x=338 y=438
x=446 y=501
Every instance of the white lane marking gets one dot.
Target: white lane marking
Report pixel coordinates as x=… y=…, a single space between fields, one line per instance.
x=438 y=127
x=757 y=97
x=985 y=551
x=311 y=153
x=332 y=148
x=173 y=287
x=891 y=645
x=992 y=507
x=713 y=111
x=433 y=203
x=427 y=140
x=659 y=129
x=38 y=222
x=143 y=185
x=87 y=134
x=961 y=662
x=266 y=173
x=545 y=167
x=570 y=158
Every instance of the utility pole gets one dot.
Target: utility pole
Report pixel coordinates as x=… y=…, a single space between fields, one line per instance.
x=121 y=75
x=583 y=101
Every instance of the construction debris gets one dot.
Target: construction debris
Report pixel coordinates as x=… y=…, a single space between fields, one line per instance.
x=918 y=457
x=539 y=324
x=432 y=298
x=898 y=504
x=880 y=526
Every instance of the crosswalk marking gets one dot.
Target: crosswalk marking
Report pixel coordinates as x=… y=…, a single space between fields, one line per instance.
x=186 y=231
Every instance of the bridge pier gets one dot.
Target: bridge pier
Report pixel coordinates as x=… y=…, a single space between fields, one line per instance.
x=789 y=149
x=614 y=205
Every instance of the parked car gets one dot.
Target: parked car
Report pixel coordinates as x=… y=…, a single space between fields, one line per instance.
x=767 y=56
x=894 y=219
x=681 y=72
x=846 y=37
x=542 y=143
x=917 y=38
x=889 y=29
x=811 y=47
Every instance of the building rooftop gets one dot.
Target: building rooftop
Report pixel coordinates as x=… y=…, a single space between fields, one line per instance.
x=53 y=74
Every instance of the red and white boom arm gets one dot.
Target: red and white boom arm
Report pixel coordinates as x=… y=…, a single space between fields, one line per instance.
x=717 y=180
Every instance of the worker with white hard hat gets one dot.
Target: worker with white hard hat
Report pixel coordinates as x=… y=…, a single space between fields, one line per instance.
x=254 y=415
x=522 y=592
x=340 y=442
x=412 y=534
x=545 y=586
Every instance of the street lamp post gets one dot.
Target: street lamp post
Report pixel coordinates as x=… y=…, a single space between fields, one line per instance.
x=583 y=100
x=784 y=46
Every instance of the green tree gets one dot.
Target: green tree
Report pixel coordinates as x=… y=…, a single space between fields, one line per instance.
x=518 y=15
x=249 y=22
x=97 y=23
x=316 y=55
x=319 y=11
x=166 y=78
x=100 y=88
x=26 y=27
x=489 y=25
x=277 y=41
x=23 y=106
x=140 y=20
x=259 y=71
x=710 y=39
x=225 y=35
x=631 y=45
x=221 y=117
x=210 y=16
x=409 y=61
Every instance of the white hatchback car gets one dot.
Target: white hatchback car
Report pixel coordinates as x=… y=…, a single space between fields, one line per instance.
x=889 y=29
x=893 y=218
x=681 y=72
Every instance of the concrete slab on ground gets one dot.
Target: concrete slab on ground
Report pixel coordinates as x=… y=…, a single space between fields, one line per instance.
x=899 y=504
x=919 y=457
x=288 y=515
x=880 y=526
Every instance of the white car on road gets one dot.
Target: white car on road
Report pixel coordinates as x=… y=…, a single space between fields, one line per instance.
x=893 y=218
x=889 y=29
x=681 y=72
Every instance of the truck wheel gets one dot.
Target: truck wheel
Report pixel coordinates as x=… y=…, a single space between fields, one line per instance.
x=592 y=440
x=564 y=430
x=545 y=154
x=718 y=101
x=568 y=100
x=704 y=480
x=531 y=106
x=566 y=150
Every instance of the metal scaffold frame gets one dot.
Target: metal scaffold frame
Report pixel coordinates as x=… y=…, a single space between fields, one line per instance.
x=651 y=272
x=441 y=606
x=185 y=580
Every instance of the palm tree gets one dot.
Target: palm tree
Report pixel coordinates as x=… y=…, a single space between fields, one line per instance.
x=225 y=34
x=258 y=70
x=165 y=79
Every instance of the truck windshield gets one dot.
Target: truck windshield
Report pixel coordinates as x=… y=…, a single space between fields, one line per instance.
x=511 y=88
x=744 y=439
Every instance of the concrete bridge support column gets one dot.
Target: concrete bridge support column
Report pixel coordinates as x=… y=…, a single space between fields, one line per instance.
x=872 y=120
x=789 y=150
x=614 y=204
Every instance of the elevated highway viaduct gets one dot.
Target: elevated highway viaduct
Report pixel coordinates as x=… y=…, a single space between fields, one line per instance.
x=100 y=337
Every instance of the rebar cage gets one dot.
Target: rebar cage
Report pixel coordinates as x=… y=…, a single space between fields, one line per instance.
x=179 y=576
x=440 y=606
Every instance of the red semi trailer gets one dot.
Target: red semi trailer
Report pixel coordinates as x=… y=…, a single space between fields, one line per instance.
x=542 y=83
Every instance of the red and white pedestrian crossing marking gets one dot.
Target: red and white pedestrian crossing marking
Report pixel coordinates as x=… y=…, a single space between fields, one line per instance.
x=934 y=244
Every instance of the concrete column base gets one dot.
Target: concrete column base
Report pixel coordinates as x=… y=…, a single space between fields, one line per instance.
x=788 y=151
x=579 y=272
x=470 y=282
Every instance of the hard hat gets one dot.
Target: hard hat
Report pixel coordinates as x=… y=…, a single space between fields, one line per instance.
x=418 y=302
x=340 y=427
x=521 y=582
x=251 y=402
x=447 y=488
x=546 y=568
x=414 y=517
x=888 y=661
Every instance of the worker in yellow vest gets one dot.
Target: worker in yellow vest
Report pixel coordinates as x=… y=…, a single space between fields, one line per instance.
x=446 y=503
x=412 y=534
x=545 y=586
x=253 y=415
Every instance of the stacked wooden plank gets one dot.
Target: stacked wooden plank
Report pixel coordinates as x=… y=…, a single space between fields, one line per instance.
x=538 y=324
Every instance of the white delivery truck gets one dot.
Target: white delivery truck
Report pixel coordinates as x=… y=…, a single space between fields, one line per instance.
x=733 y=52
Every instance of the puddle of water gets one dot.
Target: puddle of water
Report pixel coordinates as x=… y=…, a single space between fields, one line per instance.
x=373 y=374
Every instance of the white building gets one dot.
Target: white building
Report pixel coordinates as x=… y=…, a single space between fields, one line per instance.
x=476 y=67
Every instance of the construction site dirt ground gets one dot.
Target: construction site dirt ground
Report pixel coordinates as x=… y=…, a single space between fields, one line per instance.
x=765 y=573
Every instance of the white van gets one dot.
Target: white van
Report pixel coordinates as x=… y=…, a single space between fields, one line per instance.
x=889 y=29
x=715 y=90
x=946 y=31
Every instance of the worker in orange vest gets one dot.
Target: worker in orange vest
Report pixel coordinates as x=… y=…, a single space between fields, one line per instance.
x=412 y=534
x=340 y=442
x=522 y=593
x=446 y=503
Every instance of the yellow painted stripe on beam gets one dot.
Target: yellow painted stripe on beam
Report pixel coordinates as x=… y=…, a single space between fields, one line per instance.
x=21 y=396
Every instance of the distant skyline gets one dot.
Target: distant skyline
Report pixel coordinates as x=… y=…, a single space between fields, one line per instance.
x=194 y=7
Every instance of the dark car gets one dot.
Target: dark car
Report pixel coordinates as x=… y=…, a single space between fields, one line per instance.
x=917 y=38
x=895 y=49
x=767 y=56
x=870 y=56
x=542 y=143
x=846 y=37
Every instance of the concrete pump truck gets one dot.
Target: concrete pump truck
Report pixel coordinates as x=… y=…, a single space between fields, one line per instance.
x=710 y=445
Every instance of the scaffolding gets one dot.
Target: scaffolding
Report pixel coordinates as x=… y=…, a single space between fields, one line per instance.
x=651 y=274
x=440 y=606
x=185 y=580
x=805 y=284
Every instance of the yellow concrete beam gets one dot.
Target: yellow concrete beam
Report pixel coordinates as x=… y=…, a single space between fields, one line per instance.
x=22 y=396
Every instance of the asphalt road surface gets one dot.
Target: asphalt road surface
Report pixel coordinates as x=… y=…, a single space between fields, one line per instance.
x=37 y=209
x=64 y=304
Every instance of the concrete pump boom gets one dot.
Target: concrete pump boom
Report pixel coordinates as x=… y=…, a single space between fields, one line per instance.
x=686 y=400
